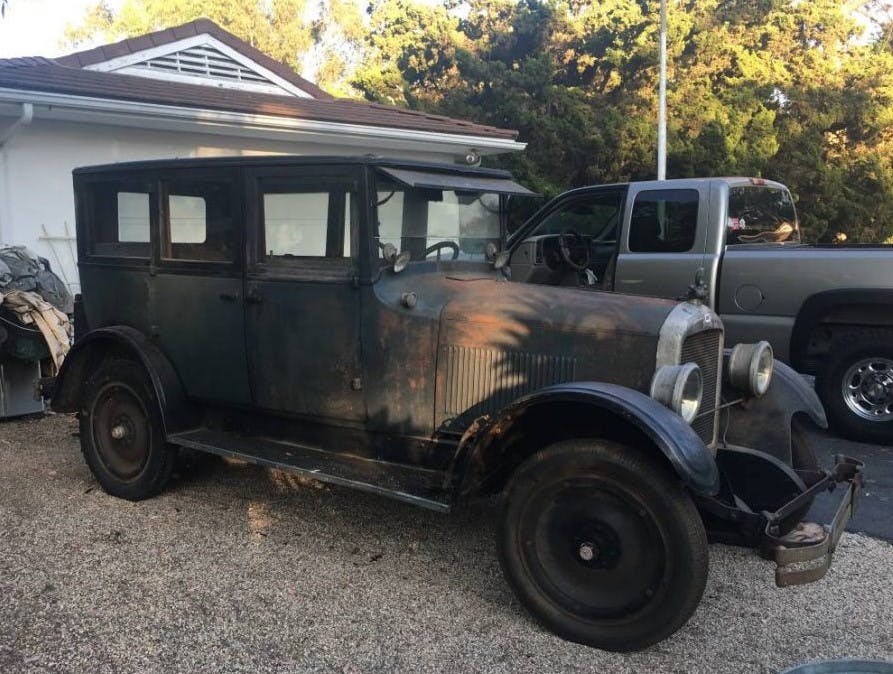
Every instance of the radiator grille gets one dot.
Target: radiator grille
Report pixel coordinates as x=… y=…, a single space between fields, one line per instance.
x=703 y=348
x=487 y=380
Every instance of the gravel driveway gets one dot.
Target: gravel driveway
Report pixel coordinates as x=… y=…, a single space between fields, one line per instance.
x=238 y=568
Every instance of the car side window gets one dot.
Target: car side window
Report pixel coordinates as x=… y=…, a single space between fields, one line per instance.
x=306 y=220
x=200 y=221
x=596 y=216
x=120 y=217
x=664 y=221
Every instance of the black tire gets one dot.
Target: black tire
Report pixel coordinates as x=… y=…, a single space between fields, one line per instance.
x=602 y=545
x=122 y=437
x=840 y=371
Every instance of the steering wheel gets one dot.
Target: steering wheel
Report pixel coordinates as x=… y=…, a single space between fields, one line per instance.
x=574 y=249
x=440 y=245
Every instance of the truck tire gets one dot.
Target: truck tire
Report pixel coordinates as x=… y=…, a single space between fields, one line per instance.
x=856 y=386
x=122 y=437
x=602 y=545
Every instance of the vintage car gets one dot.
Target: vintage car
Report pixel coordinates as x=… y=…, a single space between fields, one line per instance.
x=353 y=320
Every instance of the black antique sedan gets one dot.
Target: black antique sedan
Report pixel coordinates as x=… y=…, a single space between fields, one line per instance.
x=354 y=320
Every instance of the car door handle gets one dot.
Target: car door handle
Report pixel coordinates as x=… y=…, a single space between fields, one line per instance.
x=229 y=297
x=253 y=298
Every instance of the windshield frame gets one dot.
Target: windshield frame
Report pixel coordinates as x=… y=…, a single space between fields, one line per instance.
x=399 y=231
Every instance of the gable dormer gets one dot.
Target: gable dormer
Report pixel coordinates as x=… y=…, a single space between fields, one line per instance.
x=204 y=60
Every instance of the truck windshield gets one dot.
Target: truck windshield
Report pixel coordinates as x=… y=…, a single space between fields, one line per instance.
x=437 y=223
x=761 y=214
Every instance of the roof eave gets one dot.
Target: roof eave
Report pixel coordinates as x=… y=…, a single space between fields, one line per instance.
x=66 y=107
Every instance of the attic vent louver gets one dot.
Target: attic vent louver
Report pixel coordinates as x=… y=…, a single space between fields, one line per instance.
x=204 y=62
x=206 y=65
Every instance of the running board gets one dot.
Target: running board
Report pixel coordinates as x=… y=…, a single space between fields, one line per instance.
x=418 y=486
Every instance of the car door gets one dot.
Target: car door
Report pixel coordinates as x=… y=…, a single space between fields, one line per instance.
x=195 y=288
x=302 y=296
x=664 y=243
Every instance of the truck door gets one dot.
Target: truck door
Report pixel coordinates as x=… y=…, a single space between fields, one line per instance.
x=664 y=243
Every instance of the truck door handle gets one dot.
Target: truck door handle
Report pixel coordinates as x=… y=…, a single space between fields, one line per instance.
x=229 y=297
x=253 y=298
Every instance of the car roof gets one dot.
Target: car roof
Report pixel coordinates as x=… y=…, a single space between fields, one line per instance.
x=288 y=160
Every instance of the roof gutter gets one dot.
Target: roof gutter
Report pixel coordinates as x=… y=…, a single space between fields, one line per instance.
x=272 y=127
x=23 y=120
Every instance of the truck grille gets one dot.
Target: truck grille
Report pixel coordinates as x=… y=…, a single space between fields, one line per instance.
x=703 y=348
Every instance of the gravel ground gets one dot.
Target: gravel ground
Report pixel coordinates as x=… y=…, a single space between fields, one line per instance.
x=241 y=569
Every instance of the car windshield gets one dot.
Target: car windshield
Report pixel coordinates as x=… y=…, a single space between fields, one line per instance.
x=761 y=214
x=437 y=223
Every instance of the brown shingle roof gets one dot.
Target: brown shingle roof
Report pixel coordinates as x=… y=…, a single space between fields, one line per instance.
x=107 y=52
x=67 y=76
x=46 y=76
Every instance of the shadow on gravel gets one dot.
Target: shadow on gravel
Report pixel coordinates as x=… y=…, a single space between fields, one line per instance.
x=360 y=530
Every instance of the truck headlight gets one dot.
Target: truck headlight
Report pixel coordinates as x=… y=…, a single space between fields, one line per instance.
x=749 y=368
x=679 y=387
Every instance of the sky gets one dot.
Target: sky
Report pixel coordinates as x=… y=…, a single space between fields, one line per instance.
x=36 y=27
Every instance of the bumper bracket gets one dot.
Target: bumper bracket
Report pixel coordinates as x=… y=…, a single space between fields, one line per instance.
x=804 y=554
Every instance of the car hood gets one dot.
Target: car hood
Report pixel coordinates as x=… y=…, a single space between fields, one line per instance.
x=484 y=305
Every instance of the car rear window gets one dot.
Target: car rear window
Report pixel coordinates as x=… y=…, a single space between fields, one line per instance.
x=761 y=214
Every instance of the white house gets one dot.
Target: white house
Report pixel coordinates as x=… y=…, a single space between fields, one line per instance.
x=190 y=91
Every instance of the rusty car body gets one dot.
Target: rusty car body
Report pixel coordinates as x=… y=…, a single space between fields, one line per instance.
x=352 y=320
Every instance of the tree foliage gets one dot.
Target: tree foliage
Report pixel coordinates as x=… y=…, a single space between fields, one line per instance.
x=797 y=91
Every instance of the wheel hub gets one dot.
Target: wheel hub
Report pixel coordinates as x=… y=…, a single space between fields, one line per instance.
x=120 y=430
x=867 y=389
x=597 y=545
x=588 y=552
x=595 y=549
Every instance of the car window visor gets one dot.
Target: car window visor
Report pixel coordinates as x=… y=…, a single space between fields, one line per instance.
x=460 y=183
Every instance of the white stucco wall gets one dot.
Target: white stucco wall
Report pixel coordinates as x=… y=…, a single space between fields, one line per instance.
x=36 y=201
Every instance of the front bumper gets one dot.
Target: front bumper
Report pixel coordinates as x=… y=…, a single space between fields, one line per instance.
x=804 y=554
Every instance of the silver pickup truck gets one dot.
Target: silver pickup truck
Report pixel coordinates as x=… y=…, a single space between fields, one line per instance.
x=826 y=309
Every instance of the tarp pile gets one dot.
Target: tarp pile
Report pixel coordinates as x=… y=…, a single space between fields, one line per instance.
x=32 y=294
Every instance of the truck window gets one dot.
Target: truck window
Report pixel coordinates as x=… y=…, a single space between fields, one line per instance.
x=664 y=221
x=200 y=221
x=595 y=216
x=761 y=214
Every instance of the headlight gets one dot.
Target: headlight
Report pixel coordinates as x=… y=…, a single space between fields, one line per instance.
x=679 y=387
x=749 y=368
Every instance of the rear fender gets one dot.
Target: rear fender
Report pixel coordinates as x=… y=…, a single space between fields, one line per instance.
x=177 y=412
x=846 y=307
x=493 y=446
x=764 y=423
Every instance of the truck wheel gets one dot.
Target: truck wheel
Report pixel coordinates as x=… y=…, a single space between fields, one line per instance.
x=602 y=545
x=856 y=386
x=121 y=433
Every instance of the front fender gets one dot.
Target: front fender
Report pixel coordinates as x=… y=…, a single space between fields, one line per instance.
x=88 y=351
x=765 y=423
x=615 y=405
